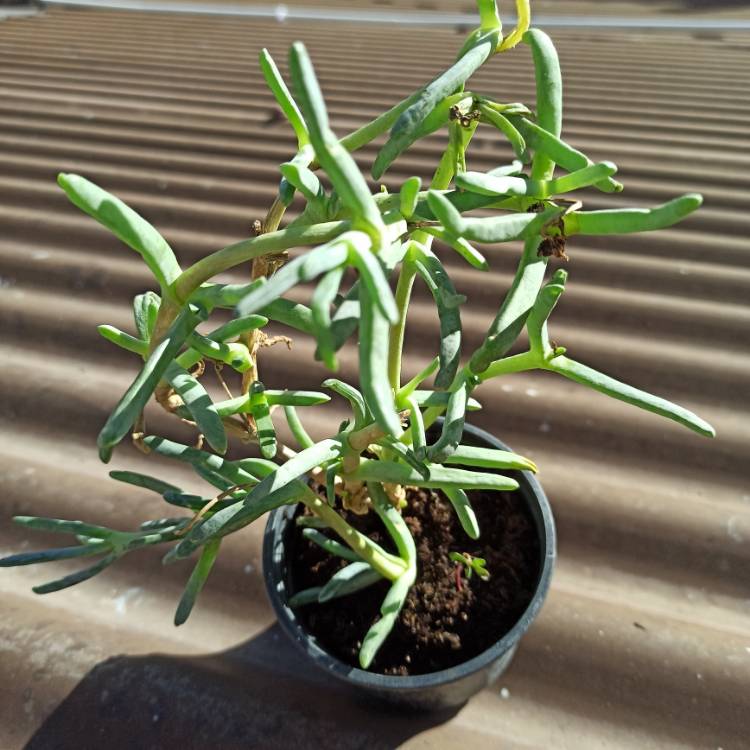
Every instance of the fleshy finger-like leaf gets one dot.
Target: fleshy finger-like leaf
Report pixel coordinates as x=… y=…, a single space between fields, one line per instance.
x=53 y=555
x=504 y=125
x=237 y=327
x=279 y=488
x=546 y=300
x=228 y=470
x=453 y=425
x=199 y=404
x=78 y=577
x=371 y=470
x=628 y=220
x=320 y=260
x=284 y=98
x=304 y=179
x=330 y=545
x=145 y=311
x=144 y=481
x=136 y=397
x=372 y=274
x=354 y=577
x=124 y=223
x=320 y=305
x=296 y=427
x=353 y=396
x=465 y=513
x=407 y=127
x=123 y=340
x=408 y=196
x=263 y=421
x=549 y=88
x=337 y=162
x=62 y=526
x=489 y=458
x=470 y=254
x=611 y=387
x=374 y=332
x=197 y=580
x=560 y=152
x=389 y=611
x=447 y=301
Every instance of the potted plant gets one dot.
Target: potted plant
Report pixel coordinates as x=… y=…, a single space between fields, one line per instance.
x=407 y=552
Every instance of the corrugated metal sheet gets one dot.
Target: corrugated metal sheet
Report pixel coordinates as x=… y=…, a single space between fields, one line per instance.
x=645 y=639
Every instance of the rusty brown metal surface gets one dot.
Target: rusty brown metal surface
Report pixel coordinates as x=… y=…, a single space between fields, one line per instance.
x=645 y=639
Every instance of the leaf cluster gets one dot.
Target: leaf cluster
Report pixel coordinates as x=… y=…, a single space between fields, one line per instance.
x=357 y=242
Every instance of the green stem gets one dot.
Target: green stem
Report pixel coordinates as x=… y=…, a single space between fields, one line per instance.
x=389 y=566
x=396 y=340
x=241 y=252
x=362 y=136
x=441 y=180
x=274 y=216
x=516 y=363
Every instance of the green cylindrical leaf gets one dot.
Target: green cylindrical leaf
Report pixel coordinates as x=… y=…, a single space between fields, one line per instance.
x=374 y=332
x=560 y=152
x=408 y=196
x=145 y=481
x=197 y=580
x=136 y=397
x=337 y=162
x=331 y=545
x=305 y=268
x=628 y=220
x=549 y=91
x=320 y=305
x=282 y=95
x=74 y=578
x=124 y=223
x=373 y=276
x=123 y=340
x=446 y=212
x=296 y=427
x=304 y=180
x=273 y=491
x=199 y=404
x=431 y=270
x=53 y=555
x=504 y=125
x=466 y=516
x=237 y=327
x=354 y=577
x=263 y=421
x=227 y=470
x=145 y=311
x=611 y=387
x=389 y=611
x=489 y=458
x=372 y=470
x=353 y=396
x=407 y=127
x=453 y=425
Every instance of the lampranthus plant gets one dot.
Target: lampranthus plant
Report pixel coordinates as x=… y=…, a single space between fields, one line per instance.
x=382 y=448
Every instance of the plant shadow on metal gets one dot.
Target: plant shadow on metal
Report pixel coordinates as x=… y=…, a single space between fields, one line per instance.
x=382 y=448
x=256 y=695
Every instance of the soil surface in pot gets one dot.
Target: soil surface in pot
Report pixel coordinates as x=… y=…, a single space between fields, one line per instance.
x=445 y=621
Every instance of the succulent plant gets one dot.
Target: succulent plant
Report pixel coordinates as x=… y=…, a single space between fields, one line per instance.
x=383 y=447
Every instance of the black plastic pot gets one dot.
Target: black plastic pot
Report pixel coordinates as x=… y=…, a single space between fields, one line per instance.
x=438 y=690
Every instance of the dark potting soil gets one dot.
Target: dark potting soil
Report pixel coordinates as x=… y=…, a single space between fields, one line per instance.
x=444 y=622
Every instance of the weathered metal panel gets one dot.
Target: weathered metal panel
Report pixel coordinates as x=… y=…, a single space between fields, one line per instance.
x=645 y=640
